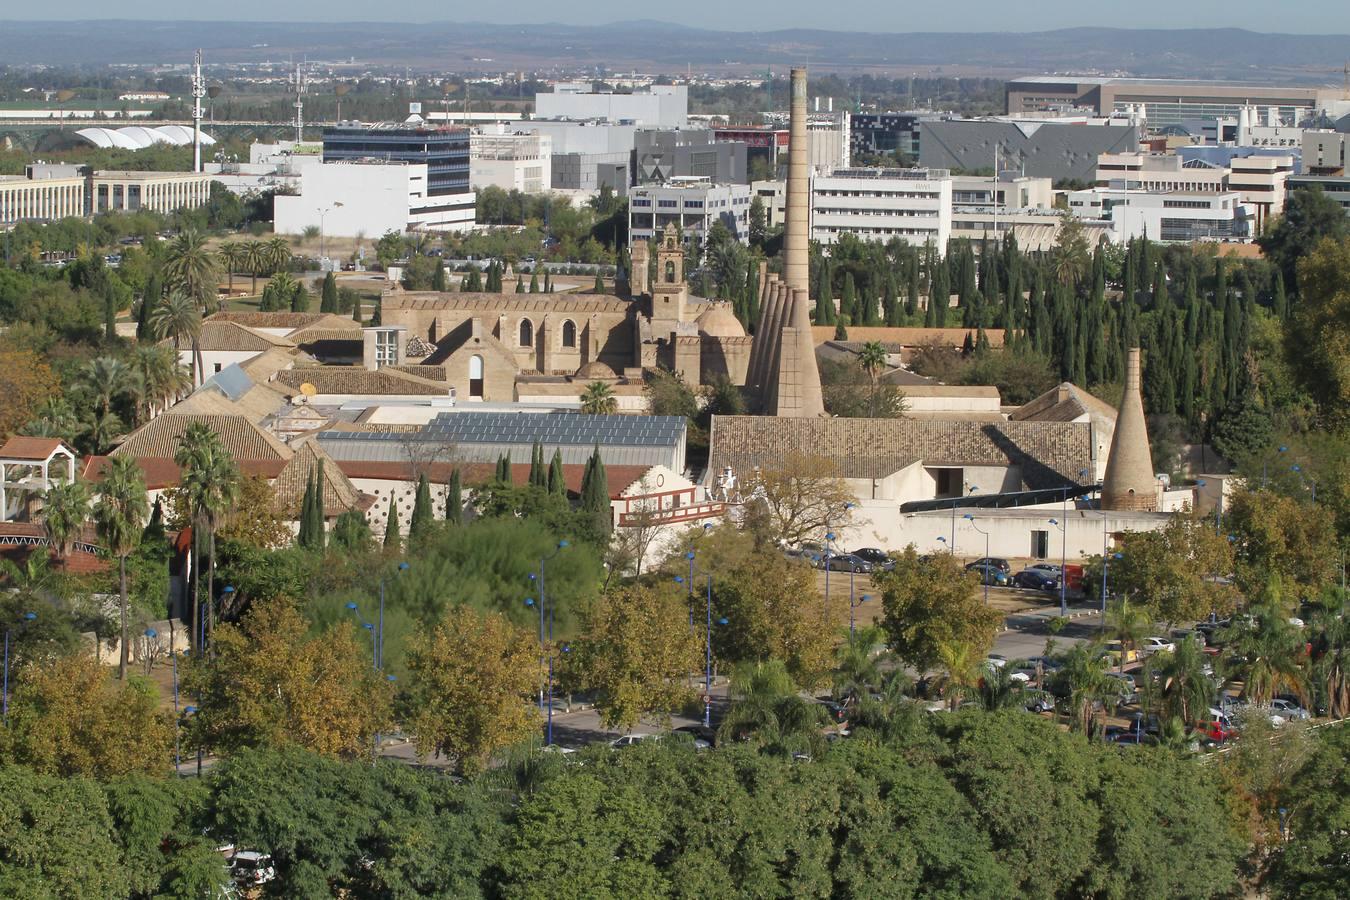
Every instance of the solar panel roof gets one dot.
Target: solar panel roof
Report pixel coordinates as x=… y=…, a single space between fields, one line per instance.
x=547 y=428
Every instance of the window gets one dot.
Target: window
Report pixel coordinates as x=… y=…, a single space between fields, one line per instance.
x=670 y=272
x=569 y=333
x=526 y=333
x=386 y=348
x=476 y=377
x=217 y=367
x=1040 y=544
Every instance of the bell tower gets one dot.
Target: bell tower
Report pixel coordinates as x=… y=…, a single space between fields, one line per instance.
x=670 y=294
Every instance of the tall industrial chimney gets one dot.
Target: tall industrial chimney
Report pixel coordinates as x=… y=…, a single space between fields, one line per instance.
x=796 y=270
x=1129 y=483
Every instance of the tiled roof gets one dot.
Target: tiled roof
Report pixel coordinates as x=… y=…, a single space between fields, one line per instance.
x=289 y=488
x=1062 y=403
x=232 y=336
x=163 y=472
x=34 y=448
x=505 y=303
x=358 y=380
x=430 y=373
x=262 y=367
x=288 y=320
x=242 y=438
x=316 y=335
x=1049 y=454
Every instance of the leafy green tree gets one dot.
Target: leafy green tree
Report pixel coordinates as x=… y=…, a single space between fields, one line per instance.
x=1170 y=571
x=119 y=516
x=929 y=603
x=1312 y=862
x=471 y=677
x=351 y=531
x=57 y=839
x=1310 y=216
x=634 y=649
x=1319 y=339
x=1277 y=534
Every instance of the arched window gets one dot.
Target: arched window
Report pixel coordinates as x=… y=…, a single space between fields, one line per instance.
x=569 y=333
x=670 y=271
x=476 y=377
x=526 y=333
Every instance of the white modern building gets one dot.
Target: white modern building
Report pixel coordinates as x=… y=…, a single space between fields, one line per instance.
x=360 y=197
x=987 y=208
x=1177 y=216
x=660 y=106
x=1159 y=172
x=54 y=191
x=692 y=205
x=511 y=161
x=269 y=167
x=1260 y=183
x=914 y=205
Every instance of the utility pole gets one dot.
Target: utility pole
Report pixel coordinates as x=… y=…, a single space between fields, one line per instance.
x=198 y=92
x=300 y=84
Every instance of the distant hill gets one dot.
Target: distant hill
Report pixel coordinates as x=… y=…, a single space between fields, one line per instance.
x=1222 y=53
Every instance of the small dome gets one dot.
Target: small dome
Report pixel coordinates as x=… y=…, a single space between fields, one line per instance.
x=595 y=370
x=719 y=321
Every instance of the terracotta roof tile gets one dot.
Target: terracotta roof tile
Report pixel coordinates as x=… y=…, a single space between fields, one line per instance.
x=242 y=438
x=34 y=448
x=233 y=336
x=1062 y=403
x=359 y=380
x=289 y=488
x=1049 y=454
x=288 y=320
x=162 y=472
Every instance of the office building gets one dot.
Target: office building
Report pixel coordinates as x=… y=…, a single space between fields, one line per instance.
x=987 y=208
x=1337 y=187
x=444 y=151
x=872 y=134
x=1055 y=150
x=1169 y=217
x=1159 y=172
x=914 y=205
x=587 y=173
x=1258 y=178
x=270 y=167
x=1167 y=102
x=691 y=205
x=1325 y=152
x=370 y=197
x=660 y=106
x=46 y=192
x=511 y=161
x=659 y=155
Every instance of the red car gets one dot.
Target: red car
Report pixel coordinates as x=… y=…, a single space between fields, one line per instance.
x=1215 y=732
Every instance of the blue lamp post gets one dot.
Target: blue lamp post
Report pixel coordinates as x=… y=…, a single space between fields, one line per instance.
x=379 y=641
x=985 y=573
x=27 y=617
x=546 y=656
x=1308 y=482
x=191 y=711
x=1106 y=567
x=707 y=645
x=1063 y=560
x=150 y=635
x=852 y=606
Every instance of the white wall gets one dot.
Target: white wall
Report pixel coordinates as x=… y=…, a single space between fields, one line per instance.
x=375 y=199
x=213 y=358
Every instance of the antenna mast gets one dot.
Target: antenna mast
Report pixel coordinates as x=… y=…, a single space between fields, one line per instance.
x=300 y=84
x=198 y=92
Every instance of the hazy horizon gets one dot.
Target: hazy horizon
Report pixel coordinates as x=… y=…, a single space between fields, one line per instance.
x=1305 y=17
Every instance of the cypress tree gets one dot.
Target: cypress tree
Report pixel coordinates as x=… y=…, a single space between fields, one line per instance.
x=890 y=301
x=391 y=537
x=548 y=282
x=109 y=314
x=599 y=287
x=454 y=500
x=328 y=298
x=534 y=282
x=503 y=473
x=538 y=475
x=1280 y=302
x=869 y=310
x=520 y=284
x=848 y=300
x=377 y=318
x=438 y=280
x=943 y=291
x=300 y=300
x=841 y=329
x=154 y=293
x=556 y=483
x=595 y=494
x=306 y=517
x=356 y=309
x=912 y=288
x=318 y=531
x=981 y=343
x=1159 y=287
x=422 y=515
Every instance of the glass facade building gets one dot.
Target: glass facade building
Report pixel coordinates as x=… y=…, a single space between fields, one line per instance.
x=444 y=151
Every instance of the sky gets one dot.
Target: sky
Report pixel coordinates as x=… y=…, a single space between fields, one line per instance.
x=1290 y=16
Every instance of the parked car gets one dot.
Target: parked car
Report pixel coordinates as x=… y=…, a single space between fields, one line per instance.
x=1128 y=685
x=629 y=740
x=1189 y=634
x=1288 y=709
x=1215 y=732
x=1036 y=580
x=1151 y=645
x=997 y=562
x=1038 y=701
x=836 y=712
x=810 y=551
x=249 y=868
x=846 y=562
x=1116 y=652
x=989 y=574
x=1051 y=568
x=703 y=737
x=879 y=558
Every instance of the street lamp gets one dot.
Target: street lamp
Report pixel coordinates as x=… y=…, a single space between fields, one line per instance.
x=379 y=642
x=27 y=617
x=707 y=646
x=1063 y=560
x=546 y=657
x=973 y=491
x=851 y=606
x=1282 y=450
x=1106 y=566
x=1298 y=470
x=984 y=575
x=336 y=205
x=150 y=635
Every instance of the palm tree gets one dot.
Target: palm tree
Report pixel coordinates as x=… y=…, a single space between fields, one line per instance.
x=190 y=268
x=119 y=516
x=873 y=360
x=998 y=689
x=1186 y=689
x=768 y=710
x=210 y=480
x=598 y=400
x=1331 y=659
x=1266 y=654
x=255 y=260
x=163 y=378
x=856 y=667
x=962 y=667
x=277 y=254
x=65 y=509
x=278 y=293
x=179 y=319
x=1129 y=624
x=232 y=256
x=1085 y=677
x=106 y=378
x=103 y=429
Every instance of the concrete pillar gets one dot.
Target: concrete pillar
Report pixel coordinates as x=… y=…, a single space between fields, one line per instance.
x=797 y=268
